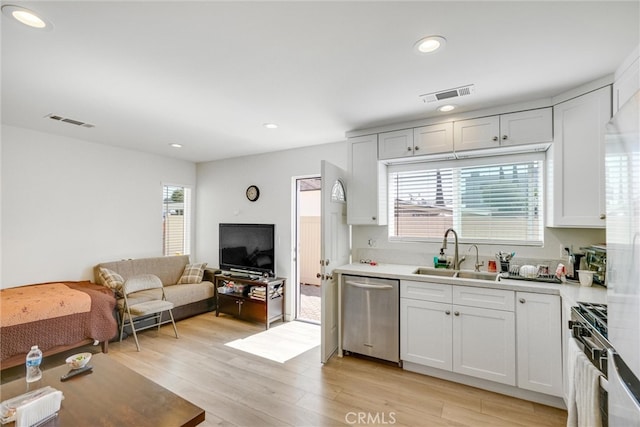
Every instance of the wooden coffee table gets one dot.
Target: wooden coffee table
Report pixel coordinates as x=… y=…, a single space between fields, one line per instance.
x=111 y=395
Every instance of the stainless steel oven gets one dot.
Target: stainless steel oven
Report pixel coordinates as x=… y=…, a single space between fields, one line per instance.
x=588 y=326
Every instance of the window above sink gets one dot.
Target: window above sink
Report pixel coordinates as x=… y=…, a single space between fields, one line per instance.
x=490 y=200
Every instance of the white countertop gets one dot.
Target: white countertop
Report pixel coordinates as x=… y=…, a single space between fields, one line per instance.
x=572 y=292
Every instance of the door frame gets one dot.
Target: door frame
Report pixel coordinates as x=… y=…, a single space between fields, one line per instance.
x=295 y=253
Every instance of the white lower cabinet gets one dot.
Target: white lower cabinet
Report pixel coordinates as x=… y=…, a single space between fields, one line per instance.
x=484 y=343
x=425 y=333
x=539 y=347
x=475 y=341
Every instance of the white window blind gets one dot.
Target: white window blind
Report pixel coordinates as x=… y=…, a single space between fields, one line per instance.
x=176 y=220
x=496 y=202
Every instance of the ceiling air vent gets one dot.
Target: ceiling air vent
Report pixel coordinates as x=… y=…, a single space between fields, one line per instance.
x=449 y=93
x=70 y=121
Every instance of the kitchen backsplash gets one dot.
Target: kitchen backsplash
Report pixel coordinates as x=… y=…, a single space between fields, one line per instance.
x=394 y=256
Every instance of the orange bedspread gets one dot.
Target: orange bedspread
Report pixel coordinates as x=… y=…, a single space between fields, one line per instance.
x=39 y=302
x=55 y=314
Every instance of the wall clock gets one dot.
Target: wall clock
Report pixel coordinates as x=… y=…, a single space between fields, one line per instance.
x=253 y=193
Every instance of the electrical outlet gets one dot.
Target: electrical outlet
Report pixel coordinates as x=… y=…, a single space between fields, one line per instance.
x=563 y=252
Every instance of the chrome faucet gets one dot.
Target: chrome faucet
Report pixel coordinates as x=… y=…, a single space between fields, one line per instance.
x=456 y=260
x=478 y=264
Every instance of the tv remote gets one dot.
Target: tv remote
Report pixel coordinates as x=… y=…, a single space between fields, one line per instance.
x=72 y=373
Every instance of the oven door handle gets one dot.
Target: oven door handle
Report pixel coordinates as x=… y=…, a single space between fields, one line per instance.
x=598 y=355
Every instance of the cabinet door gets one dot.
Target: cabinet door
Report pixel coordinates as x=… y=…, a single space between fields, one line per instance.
x=425 y=333
x=576 y=169
x=228 y=304
x=484 y=344
x=367 y=186
x=392 y=145
x=433 y=139
x=476 y=133
x=526 y=127
x=539 y=351
x=254 y=310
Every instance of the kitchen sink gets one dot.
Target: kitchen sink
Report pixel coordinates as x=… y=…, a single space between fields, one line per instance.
x=442 y=272
x=478 y=275
x=462 y=274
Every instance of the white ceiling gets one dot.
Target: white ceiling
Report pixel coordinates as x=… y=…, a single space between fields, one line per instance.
x=209 y=74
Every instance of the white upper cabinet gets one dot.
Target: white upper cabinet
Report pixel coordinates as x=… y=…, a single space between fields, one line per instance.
x=575 y=161
x=367 y=186
x=433 y=139
x=524 y=127
x=476 y=133
x=395 y=144
x=527 y=127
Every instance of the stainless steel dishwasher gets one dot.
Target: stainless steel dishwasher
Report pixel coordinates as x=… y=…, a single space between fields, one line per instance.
x=370 y=317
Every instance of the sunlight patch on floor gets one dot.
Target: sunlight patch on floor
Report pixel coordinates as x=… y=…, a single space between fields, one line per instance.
x=280 y=343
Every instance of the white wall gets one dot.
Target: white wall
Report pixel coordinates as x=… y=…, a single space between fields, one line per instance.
x=69 y=204
x=221 y=196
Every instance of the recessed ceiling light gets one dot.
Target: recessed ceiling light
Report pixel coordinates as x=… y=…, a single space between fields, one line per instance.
x=270 y=125
x=176 y=145
x=446 y=108
x=26 y=17
x=430 y=44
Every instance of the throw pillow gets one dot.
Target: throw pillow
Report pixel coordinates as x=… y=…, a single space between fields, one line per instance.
x=111 y=279
x=192 y=273
x=142 y=282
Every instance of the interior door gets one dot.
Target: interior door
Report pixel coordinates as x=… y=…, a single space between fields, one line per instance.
x=333 y=253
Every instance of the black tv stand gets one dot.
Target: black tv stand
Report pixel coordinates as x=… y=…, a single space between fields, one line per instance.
x=246 y=305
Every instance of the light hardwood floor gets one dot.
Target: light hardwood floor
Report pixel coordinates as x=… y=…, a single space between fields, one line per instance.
x=240 y=389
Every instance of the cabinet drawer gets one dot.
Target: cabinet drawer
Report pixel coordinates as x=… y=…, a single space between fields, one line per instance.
x=497 y=299
x=426 y=291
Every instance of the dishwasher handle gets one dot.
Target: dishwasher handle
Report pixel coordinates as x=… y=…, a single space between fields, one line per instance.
x=367 y=285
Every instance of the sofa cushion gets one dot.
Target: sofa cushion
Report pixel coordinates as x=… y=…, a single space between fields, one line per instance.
x=192 y=273
x=111 y=279
x=167 y=268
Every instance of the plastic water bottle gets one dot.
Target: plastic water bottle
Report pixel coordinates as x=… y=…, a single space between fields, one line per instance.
x=34 y=358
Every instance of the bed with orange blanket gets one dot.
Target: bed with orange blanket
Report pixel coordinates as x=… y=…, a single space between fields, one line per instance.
x=56 y=317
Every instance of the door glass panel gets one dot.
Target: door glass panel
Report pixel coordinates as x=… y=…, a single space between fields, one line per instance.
x=337 y=192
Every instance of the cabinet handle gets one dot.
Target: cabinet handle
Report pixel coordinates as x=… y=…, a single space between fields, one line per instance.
x=447 y=312
x=408 y=148
x=495 y=138
x=504 y=137
x=603 y=216
x=522 y=300
x=416 y=148
x=318 y=275
x=373 y=218
x=457 y=313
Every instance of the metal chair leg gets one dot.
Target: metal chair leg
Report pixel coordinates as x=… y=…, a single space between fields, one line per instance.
x=173 y=323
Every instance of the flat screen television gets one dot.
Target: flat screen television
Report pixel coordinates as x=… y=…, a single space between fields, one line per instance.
x=247 y=248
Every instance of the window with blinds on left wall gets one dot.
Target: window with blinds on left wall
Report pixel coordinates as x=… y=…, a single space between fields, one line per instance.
x=176 y=220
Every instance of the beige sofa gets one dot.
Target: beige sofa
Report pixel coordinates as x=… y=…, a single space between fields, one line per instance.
x=189 y=299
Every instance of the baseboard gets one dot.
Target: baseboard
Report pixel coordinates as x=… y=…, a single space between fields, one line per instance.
x=533 y=396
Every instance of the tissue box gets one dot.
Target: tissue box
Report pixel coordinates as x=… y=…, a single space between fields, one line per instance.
x=32 y=407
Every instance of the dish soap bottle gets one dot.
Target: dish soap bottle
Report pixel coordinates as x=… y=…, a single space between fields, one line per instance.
x=34 y=358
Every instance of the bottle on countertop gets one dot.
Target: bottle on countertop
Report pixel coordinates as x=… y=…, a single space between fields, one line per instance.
x=34 y=358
